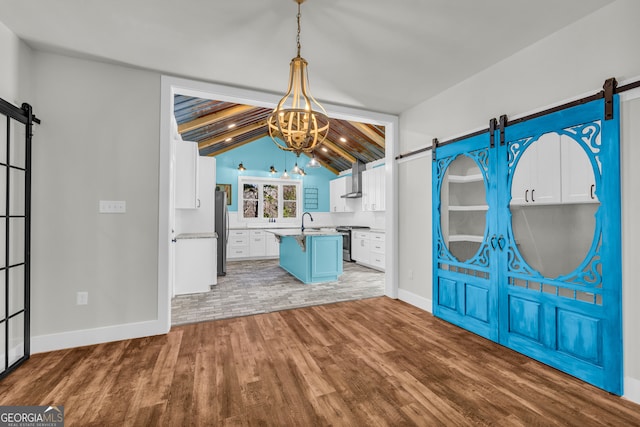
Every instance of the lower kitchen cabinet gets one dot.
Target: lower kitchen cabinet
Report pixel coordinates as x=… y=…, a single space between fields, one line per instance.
x=195 y=264
x=252 y=244
x=238 y=244
x=272 y=245
x=367 y=248
x=257 y=248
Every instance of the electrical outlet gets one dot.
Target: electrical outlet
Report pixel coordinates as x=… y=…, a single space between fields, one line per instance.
x=82 y=298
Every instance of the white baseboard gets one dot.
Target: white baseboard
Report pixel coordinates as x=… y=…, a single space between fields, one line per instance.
x=43 y=343
x=415 y=300
x=632 y=389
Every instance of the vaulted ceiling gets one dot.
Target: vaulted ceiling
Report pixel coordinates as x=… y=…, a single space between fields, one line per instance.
x=378 y=55
x=219 y=126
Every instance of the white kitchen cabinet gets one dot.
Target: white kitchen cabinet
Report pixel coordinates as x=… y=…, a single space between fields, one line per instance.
x=360 y=247
x=257 y=244
x=201 y=219
x=578 y=179
x=537 y=178
x=553 y=170
x=186 y=174
x=238 y=244
x=377 y=248
x=196 y=268
x=272 y=245
x=337 y=188
x=373 y=190
x=368 y=190
x=249 y=244
x=381 y=182
x=368 y=248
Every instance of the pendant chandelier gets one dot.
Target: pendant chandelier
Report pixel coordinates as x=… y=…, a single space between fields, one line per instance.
x=298 y=123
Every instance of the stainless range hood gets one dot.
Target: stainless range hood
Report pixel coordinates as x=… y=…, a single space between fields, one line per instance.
x=356 y=181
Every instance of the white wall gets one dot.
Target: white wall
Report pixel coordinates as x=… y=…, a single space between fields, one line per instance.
x=14 y=68
x=567 y=64
x=99 y=140
x=630 y=154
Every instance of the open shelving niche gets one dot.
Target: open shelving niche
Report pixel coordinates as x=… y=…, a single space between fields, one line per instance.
x=463 y=201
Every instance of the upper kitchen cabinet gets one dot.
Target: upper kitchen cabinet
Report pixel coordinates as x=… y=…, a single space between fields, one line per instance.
x=578 y=179
x=537 y=177
x=338 y=188
x=186 y=174
x=553 y=170
x=373 y=190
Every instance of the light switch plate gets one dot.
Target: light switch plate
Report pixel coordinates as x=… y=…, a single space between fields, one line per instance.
x=113 y=206
x=82 y=298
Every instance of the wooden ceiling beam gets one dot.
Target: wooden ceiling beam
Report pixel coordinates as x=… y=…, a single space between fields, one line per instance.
x=238 y=144
x=212 y=118
x=369 y=133
x=232 y=134
x=326 y=166
x=336 y=149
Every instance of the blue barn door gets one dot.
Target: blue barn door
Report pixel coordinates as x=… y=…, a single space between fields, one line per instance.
x=465 y=242
x=560 y=298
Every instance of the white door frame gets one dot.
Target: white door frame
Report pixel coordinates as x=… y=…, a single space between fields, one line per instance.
x=171 y=86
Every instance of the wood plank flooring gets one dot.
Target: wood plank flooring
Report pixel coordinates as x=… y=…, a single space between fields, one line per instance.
x=372 y=362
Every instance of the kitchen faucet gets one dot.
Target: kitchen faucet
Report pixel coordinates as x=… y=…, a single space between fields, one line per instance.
x=310 y=217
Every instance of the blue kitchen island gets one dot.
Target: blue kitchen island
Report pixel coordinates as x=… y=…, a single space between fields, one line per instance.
x=312 y=256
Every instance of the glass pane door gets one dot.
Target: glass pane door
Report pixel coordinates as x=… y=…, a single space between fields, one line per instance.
x=14 y=246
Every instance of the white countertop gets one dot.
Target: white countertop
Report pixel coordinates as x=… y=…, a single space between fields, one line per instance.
x=205 y=235
x=307 y=232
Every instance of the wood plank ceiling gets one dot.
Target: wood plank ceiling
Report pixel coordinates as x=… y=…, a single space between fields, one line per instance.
x=219 y=126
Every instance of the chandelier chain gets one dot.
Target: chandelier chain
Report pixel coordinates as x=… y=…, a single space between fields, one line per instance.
x=298 y=123
x=298 y=36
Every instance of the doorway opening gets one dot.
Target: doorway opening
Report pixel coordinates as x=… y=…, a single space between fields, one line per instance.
x=174 y=86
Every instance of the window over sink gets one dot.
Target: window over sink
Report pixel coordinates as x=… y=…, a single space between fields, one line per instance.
x=265 y=200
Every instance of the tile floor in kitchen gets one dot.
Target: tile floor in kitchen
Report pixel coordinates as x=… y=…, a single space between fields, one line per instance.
x=261 y=286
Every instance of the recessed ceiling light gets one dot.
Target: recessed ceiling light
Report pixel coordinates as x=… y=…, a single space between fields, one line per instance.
x=343 y=139
x=228 y=139
x=232 y=125
x=324 y=149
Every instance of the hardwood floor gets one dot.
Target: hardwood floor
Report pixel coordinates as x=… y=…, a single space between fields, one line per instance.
x=369 y=362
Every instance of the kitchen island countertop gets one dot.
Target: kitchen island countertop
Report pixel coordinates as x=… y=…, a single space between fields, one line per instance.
x=282 y=232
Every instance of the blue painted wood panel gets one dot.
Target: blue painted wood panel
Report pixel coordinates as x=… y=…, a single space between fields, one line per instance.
x=321 y=261
x=582 y=337
x=477 y=302
x=572 y=322
x=466 y=291
x=326 y=257
x=524 y=318
x=447 y=295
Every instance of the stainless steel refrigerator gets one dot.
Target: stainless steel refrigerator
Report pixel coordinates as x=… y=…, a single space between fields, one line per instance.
x=222 y=228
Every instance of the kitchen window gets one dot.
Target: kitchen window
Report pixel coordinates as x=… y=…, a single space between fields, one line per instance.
x=267 y=200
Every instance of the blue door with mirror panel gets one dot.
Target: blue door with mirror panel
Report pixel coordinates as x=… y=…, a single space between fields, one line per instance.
x=551 y=246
